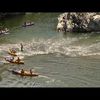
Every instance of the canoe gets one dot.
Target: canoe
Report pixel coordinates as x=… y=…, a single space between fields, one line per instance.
x=28 y=24
x=26 y=73
x=13 y=54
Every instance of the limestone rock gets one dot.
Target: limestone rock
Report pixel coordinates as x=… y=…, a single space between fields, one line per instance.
x=79 y=22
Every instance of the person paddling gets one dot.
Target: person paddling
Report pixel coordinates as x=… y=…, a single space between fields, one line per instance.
x=21 y=46
x=22 y=71
x=13 y=50
x=18 y=60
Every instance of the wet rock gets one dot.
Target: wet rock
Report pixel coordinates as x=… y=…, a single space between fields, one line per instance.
x=79 y=22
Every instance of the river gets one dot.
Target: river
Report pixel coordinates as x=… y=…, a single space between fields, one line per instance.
x=71 y=60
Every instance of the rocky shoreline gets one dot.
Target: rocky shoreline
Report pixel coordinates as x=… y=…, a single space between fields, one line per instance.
x=79 y=22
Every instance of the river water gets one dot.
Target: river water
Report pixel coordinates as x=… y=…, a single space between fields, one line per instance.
x=71 y=60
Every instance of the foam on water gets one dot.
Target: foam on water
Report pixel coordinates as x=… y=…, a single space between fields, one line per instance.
x=65 y=46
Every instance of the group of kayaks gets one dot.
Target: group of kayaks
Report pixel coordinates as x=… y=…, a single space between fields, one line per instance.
x=14 y=54
x=6 y=30
x=19 y=72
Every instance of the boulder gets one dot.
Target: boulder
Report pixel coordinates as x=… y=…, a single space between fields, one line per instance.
x=79 y=22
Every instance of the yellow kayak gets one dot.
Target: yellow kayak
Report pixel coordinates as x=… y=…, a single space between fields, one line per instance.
x=13 y=54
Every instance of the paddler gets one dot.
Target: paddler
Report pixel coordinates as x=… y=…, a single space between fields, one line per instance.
x=22 y=71
x=21 y=46
x=18 y=60
x=12 y=50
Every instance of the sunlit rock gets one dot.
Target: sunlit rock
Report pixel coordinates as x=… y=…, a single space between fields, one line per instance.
x=79 y=22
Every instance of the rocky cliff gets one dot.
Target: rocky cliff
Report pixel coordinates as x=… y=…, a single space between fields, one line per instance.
x=79 y=22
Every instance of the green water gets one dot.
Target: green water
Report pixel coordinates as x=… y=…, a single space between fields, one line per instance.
x=62 y=61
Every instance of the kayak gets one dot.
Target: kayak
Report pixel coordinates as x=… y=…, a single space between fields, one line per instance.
x=26 y=73
x=4 y=62
x=21 y=62
x=28 y=24
x=15 y=62
x=13 y=54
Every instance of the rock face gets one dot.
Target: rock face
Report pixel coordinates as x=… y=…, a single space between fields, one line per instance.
x=79 y=22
